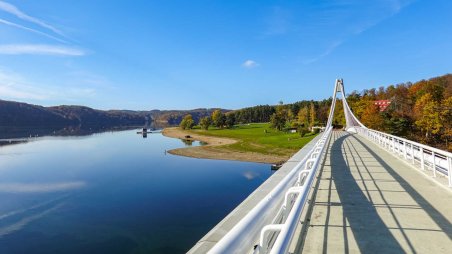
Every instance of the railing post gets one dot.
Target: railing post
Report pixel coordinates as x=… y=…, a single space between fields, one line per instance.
x=404 y=149
x=434 y=164
x=422 y=157
x=449 y=171
x=399 y=150
x=393 y=145
x=412 y=154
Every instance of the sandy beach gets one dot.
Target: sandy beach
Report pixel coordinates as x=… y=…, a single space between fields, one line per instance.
x=216 y=148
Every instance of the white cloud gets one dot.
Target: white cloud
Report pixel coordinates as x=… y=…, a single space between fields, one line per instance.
x=7 y=7
x=249 y=64
x=40 y=187
x=325 y=53
x=2 y=21
x=39 y=49
x=8 y=228
x=367 y=15
x=13 y=86
x=250 y=175
x=11 y=92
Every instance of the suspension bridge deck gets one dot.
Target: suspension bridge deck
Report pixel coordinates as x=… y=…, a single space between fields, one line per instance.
x=368 y=201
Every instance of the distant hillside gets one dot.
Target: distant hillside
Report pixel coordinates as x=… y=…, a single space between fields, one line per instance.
x=92 y=117
x=26 y=115
x=17 y=114
x=23 y=114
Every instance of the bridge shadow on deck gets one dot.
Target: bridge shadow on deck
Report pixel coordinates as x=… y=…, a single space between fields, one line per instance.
x=441 y=221
x=370 y=232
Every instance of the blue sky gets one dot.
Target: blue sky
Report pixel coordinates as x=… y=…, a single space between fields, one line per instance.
x=230 y=54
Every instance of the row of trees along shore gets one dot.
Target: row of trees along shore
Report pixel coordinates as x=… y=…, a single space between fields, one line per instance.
x=420 y=111
x=281 y=117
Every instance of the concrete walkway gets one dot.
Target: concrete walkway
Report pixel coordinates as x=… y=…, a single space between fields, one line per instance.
x=367 y=201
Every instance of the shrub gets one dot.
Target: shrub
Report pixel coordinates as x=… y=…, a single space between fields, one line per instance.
x=303 y=131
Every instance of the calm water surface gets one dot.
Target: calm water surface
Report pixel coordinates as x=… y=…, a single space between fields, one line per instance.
x=114 y=193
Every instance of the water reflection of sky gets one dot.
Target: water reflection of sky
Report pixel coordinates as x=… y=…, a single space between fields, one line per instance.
x=40 y=187
x=114 y=193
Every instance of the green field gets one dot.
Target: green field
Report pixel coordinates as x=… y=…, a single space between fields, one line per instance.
x=253 y=138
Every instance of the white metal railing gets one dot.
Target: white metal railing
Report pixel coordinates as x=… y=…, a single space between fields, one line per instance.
x=274 y=219
x=427 y=157
x=277 y=210
x=297 y=196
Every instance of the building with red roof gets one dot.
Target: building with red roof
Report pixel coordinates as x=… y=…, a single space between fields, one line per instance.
x=382 y=104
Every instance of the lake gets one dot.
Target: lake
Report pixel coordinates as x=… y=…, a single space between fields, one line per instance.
x=114 y=192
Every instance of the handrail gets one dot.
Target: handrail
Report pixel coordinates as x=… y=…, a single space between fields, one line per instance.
x=438 y=160
x=237 y=240
x=436 y=150
x=286 y=234
x=265 y=217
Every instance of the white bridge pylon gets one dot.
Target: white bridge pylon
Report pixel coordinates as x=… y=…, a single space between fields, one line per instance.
x=350 y=119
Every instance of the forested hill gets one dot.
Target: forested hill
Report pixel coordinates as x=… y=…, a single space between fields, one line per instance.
x=17 y=114
x=420 y=111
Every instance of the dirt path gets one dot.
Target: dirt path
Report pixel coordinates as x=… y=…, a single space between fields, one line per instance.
x=215 y=148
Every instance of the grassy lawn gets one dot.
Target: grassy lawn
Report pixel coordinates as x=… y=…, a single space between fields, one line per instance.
x=253 y=138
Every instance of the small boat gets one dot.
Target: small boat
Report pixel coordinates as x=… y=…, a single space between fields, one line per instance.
x=277 y=166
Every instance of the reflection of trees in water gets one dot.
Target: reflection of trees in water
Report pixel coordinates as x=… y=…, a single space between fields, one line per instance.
x=187 y=142
x=11 y=142
x=159 y=125
x=7 y=132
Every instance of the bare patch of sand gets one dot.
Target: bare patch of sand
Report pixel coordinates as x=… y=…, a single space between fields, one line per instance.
x=216 y=148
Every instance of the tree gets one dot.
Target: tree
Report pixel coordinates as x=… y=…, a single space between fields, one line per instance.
x=339 y=117
x=312 y=117
x=205 y=122
x=428 y=119
x=277 y=121
x=446 y=119
x=302 y=116
x=218 y=118
x=187 y=122
x=371 y=117
x=397 y=125
x=303 y=131
x=230 y=120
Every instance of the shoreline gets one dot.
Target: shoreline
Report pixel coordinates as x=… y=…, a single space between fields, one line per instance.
x=216 y=148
